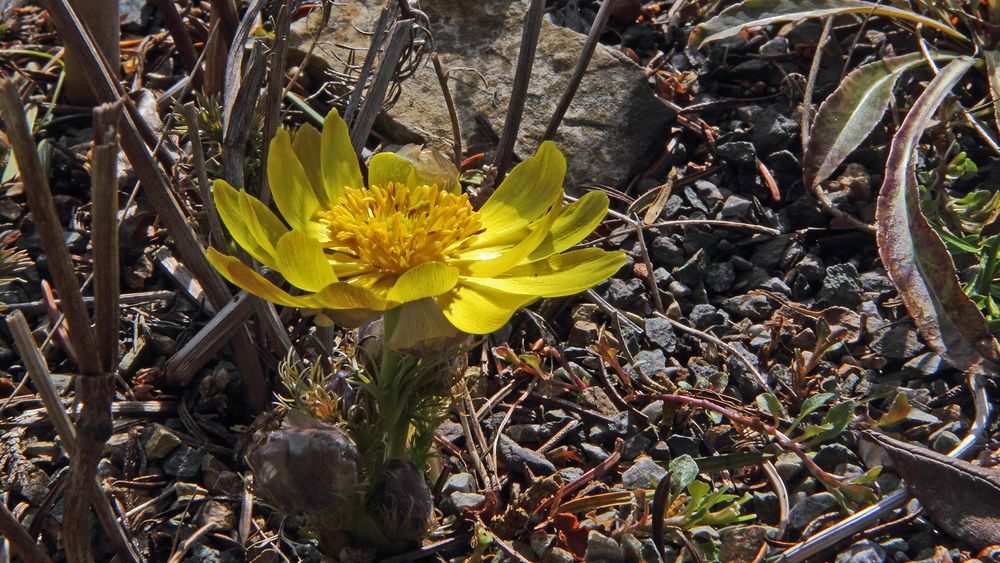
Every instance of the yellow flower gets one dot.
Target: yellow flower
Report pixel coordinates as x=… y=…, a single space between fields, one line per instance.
x=404 y=239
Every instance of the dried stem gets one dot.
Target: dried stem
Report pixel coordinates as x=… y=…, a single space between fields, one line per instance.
x=104 y=190
x=275 y=84
x=456 y=129
x=519 y=91
x=399 y=37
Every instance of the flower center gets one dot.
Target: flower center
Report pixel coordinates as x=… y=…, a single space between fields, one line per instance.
x=396 y=228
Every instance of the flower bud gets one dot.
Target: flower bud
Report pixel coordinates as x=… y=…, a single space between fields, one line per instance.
x=403 y=501
x=306 y=469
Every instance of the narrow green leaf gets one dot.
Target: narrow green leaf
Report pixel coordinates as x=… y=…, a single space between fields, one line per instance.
x=837 y=419
x=811 y=403
x=769 y=403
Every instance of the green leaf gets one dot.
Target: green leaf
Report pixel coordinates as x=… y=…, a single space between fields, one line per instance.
x=811 y=403
x=697 y=491
x=914 y=256
x=769 y=403
x=851 y=113
x=837 y=418
x=757 y=13
x=683 y=471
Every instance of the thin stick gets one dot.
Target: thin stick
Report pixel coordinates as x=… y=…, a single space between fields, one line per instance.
x=651 y=281
x=456 y=129
x=519 y=91
x=104 y=190
x=21 y=542
x=593 y=38
x=34 y=364
x=182 y=39
x=806 y=115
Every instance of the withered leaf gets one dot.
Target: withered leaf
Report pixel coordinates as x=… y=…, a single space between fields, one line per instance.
x=962 y=498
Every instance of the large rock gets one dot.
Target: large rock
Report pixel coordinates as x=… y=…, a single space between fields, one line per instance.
x=611 y=130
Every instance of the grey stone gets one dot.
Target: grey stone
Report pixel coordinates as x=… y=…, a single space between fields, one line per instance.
x=736 y=207
x=789 y=466
x=602 y=549
x=719 y=276
x=458 y=502
x=649 y=362
x=864 y=551
x=704 y=316
x=811 y=267
x=218 y=513
x=594 y=452
x=740 y=153
x=841 y=286
x=161 y=442
x=659 y=331
x=183 y=462
x=832 y=455
x=776 y=46
x=945 y=442
x=625 y=294
x=768 y=254
x=753 y=307
x=901 y=342
x=636 y=445
x=460 y=482
x=558 y=555
x=526 y=462
x=924 y=365
x=810 y=508
x=644 y=474
x=607 y=130
x=772 y=130
x=766 y=506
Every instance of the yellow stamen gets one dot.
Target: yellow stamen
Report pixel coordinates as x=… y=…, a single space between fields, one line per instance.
x=399 y=227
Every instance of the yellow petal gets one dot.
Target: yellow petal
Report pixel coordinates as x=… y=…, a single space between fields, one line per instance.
x=426 y=280
x=387 y=167
x=245 y=278
x=342 y=295
x=559 y=275
x=575 y=222
x=518 y=253
x=270 y=227
x=228 y=202
x=477 y=309
x=306 y=144
x=530 y=189
x=301 y=261
x=290 y=186
x=340 y=162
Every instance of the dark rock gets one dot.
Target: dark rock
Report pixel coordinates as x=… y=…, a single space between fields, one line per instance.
x=659 y=331
x=636 y=445
x=789 y=466
x=527 y=463
x=459 y=502
x=832 y=455
x=766 y=506
x=811 y=267
x=945 y=442
x=877 y=283
x=183 y=462
x=160 y=442
x=625 y=294
x=772 y=131
x=649 y=362
x=924 y=365
x=719 y=276
x=753 y=307
x=644 y=474
x=776 y=46
x=709 y=194
x=768 y=254
x=460 y=482
x=703 y=316
x=602 y=549
x=736 y=207
x=594 y=452
x=680 y=445
x=841 y=287
x=901 y=342
x=740 y=153
x=809 y=509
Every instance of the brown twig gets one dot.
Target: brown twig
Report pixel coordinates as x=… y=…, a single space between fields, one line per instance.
x=593 y=38
x=456 y=128
x=182 y=39
x=104 y=190
x=519 y=90
x=214 y=226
